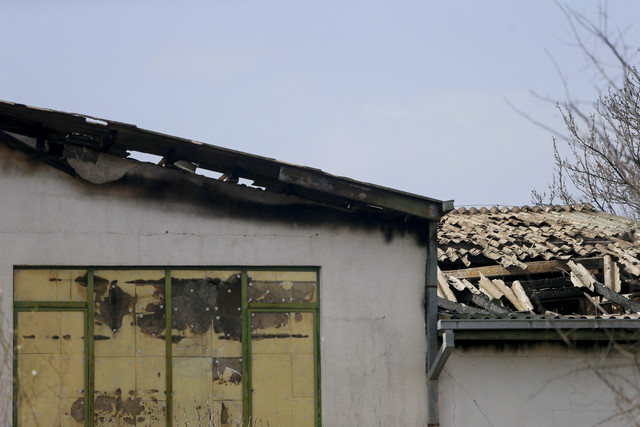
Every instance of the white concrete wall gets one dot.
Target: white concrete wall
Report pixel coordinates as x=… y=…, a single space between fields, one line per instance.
x=541 y=385
x=372 y=319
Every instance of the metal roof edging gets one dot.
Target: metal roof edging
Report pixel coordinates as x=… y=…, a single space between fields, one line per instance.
x=511 y=324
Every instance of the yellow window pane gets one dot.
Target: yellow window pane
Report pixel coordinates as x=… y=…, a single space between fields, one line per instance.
x=106 y=410
x=206 y=313
x=114 y=330
x=115 y=385
x=72 y=412
x=192 y=386
x=49 y=285
x=150 y=314
x=282 y=286
x=49 y=383
x=270 y=333
x=302 y=336
x=118 y=411
x=149 y=290
x=119 y=343
x=189 y=343
x=272 y=393
x=223 y=347
x=39 y=332
x=151 y=378
x=149 y=337
x=115 y=376
x=302 y=375
x=152 y=412
x=227 y=378
x=303 y=412
x=130 y=382
x=39 y=389
x=72 y=332
x=227 y=413
x=79 y=282
x=72 y=375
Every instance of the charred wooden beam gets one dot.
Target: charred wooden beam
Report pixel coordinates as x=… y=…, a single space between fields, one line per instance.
x=484 y=302
x=616 y=297
x=55 y=161
x=535 y=267
x=459 y=308
x=554 y=294
x=555 y=283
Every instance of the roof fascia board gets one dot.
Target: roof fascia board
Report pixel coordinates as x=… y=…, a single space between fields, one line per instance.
x=361 y=192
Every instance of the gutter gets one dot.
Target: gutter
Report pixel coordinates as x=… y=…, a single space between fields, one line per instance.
x=558 y=324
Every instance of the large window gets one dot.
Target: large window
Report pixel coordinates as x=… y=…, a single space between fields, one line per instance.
x=153 y=346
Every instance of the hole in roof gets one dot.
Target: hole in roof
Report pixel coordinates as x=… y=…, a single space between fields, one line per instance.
x=144 y=157
x=208 y=173
x=96 y=121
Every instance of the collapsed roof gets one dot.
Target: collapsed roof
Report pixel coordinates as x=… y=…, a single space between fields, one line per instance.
x=540 y=262
x=69 y=141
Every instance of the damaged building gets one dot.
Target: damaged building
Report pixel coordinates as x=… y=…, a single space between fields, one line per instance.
x=211 y=283
x=538 y=313
x=207 y=283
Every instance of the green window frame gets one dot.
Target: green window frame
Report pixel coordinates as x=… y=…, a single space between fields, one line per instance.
x=305 y=310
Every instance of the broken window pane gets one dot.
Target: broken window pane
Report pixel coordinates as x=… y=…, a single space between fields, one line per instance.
x=50 y=285
x=277 y=287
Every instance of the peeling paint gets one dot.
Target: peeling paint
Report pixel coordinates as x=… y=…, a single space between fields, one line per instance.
x=112 y=307
x=279 y=291
x=200 y=303
x=227 y=370
x=112 y=408
x=77 y=410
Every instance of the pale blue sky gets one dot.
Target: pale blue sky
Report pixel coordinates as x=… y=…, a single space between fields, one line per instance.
x=405 y=94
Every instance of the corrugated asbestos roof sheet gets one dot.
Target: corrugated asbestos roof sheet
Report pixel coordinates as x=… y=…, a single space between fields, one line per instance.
x=513 y=237
x=56 y=131
x=538 y=263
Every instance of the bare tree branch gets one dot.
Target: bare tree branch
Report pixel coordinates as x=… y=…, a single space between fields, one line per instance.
x=603 y=160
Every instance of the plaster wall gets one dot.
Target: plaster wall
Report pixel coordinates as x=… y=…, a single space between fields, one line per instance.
x=371 y=288
x=541 y=385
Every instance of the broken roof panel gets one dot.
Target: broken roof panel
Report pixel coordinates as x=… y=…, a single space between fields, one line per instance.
x=555 y=260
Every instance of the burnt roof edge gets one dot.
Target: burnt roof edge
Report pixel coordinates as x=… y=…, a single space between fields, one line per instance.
x=275 y=176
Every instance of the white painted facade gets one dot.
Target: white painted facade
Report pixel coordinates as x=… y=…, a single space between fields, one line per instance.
x=371 y=288
x=537 y=385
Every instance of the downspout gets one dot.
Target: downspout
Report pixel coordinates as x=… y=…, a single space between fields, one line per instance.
x=441 y=358
x=431 y=308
